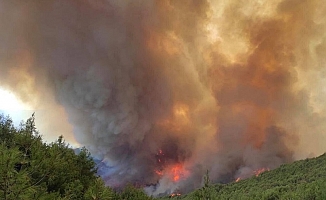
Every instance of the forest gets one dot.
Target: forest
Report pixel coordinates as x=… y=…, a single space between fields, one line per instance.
x=302 y=180
x=33 y=169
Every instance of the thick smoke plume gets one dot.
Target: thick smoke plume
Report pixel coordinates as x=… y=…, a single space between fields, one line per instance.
x=163 y=90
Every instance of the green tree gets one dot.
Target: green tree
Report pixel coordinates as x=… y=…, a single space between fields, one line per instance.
x=14 y=184
x=7 y=130
x=32 y=169
x=132 y=193
x=98 y=191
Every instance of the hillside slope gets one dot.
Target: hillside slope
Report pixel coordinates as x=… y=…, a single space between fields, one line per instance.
x=304 y=179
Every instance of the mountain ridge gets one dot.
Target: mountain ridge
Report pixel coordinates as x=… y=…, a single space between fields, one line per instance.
x=302 y=179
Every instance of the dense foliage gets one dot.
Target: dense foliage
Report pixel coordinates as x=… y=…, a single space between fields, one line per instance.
x=305 y=179
x=32 y=169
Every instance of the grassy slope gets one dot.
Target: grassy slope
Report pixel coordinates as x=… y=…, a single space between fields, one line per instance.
x=305 y=179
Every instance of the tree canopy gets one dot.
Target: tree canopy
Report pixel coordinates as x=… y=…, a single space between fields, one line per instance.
x=302 y=180
x=33 y=169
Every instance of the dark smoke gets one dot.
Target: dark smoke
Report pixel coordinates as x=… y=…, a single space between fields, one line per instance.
x=163 y=90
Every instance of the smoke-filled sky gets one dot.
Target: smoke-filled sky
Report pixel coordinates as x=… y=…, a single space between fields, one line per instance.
x=163 y=90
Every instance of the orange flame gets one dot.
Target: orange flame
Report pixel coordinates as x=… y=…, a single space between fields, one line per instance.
x=175 y=172
x=175 y=194
x=178 y=172
x=255 y=172
x=259 y=171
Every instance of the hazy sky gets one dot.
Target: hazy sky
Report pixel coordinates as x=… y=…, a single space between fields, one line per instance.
x=20 y=111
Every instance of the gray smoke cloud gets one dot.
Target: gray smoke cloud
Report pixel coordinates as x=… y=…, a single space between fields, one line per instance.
x=161 y=91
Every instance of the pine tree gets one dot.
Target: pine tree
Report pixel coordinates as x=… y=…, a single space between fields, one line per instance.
x=98 y=191
x=14 y=183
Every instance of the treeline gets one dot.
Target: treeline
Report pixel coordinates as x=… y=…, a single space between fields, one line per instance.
x=301 y=180
x=33 y=170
